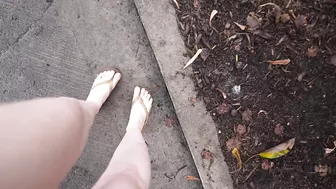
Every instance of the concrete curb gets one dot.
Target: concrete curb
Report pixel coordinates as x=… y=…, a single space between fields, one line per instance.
x=159 y=20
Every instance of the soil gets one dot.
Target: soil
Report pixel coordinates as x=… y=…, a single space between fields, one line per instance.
x=259 y=105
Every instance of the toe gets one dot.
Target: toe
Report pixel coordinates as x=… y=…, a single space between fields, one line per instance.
x=142 y=92
x=136 y=92
x=116 y=79
x=150 y=103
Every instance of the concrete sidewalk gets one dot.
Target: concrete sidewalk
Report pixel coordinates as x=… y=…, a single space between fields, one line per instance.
x=56 y=49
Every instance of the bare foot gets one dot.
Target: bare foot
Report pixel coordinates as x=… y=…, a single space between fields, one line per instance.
x=142 y=104
x=103 y=86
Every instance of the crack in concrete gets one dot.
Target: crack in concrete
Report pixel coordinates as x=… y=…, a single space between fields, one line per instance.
x=24 y=33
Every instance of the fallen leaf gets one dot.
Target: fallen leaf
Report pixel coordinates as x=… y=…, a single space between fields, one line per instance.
x=193 y=58
x=206 y=154
x=313 y=51
x=223 y=108
x=188 y=177
x=247 y=115
x=266 y=165
x=262 y=34
x=284 y=18
x=233 y=143
x=235 y=153
x=279 y=129
x=205 y=54
x=212 y=15
x=278 y=62
x=242 y=27
x=333 y=60
x=300 y=21
x=279 y=150
x=253 y=21
x=241 y=129
x=327 y=151
x=277 y=11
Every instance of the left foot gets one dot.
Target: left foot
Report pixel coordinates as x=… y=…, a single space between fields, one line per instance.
x=103 y=86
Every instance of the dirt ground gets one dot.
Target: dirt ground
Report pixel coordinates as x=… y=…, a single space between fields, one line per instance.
x=257 y=102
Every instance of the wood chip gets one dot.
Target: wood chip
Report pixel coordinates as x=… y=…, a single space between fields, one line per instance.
x=278 y=62
x=212 y=15
x=188 y=177
x=242 y=27
x=177 y=4
x=199 y=51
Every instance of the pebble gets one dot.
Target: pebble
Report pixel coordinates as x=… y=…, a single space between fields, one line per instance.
x=234 y=112
x=227 y=25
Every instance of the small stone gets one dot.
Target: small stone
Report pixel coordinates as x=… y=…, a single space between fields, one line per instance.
x=234 y=113
x=227 y=25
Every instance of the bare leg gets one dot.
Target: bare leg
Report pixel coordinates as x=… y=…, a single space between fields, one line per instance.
x=130 y=165
x=40 y=140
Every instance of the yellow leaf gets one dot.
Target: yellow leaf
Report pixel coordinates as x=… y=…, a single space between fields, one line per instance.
x=279 y=150
x=236 y=154
x=188 y=177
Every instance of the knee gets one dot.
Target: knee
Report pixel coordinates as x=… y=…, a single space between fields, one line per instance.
x=72 y=110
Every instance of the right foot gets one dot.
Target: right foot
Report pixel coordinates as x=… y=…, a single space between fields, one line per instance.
x=141 y=106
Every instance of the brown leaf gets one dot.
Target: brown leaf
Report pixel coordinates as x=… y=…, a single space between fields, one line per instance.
x=247 y=115
x=262 y=34
x=242 y=27
x=232 y=143
x=301 y=21
x=333 y=60
x=205 y=54
x=241 y=129
x=223 y=108
x=266 y=165
x=313 y=51
x=188 y=177
x=279 y=129
x=206 y=154
x=278 y=62
x=253 y=21
x=284 y=17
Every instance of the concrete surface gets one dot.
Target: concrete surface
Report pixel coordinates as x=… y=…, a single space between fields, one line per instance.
x=56 y=49
x=159 y=20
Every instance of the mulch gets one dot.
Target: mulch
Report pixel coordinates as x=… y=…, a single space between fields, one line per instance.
x=267 y=74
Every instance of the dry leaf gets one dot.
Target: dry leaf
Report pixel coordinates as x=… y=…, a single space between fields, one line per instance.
x=212 y=15
x=241 y=129
x=205 y=54
x=253 y=21
x=333 y=60
x=193 y=58
x=321 y=169
x=277 y=10
x=279 y=150
x=242 y=27
x=278 y=62
x=266 y=165
x=247 y=115
x=279 y=129
x=188 y=177
x=284 y=18
x=313 y=51
x=235 y=153
x=301 y=21
x=262 y=34
x=206 y=154
x=233 y=143
x=223 y=108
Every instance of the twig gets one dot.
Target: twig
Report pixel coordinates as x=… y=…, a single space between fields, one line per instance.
x=288 y=4
x=249 y=175
x=178 y=170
